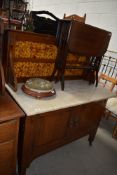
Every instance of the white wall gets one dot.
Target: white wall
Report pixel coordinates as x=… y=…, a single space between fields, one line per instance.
x=100 y=13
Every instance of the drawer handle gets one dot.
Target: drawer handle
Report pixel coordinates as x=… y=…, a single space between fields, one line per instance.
x=71 y=123
x=74 y=122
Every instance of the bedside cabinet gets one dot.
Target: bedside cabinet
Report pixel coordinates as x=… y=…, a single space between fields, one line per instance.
x=10 y=114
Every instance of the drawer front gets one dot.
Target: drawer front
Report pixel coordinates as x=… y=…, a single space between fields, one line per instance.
x=8 y=130
x=7 y=158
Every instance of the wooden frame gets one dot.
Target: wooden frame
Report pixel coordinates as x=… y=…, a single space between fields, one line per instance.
x=11 y=39
x=2 y=80
x=18 y=42
x=75 y=17
x=109 y=79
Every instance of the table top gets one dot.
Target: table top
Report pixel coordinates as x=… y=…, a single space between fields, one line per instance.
x=76 y=92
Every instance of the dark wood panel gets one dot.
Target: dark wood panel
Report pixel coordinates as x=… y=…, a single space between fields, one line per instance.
x=8 y=108
x=88 y=40
x=7 y=158
x=16 y=35
x=8 y=147
x=83 y=119
x=50 y=126
x=8 y=130
x=2 y=80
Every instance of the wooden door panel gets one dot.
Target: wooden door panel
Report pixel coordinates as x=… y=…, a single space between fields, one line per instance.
x=7 y=158
x=83 y=119
x=50 y=127
x=8 y=130
x=75 y=125
x=94 y=112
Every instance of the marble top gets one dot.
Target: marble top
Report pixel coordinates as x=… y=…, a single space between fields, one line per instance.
x=76 y=92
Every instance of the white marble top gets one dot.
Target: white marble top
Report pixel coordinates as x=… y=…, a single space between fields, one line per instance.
x=76 y=92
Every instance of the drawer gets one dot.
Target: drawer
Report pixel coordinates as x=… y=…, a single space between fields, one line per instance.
x=8 y=130
x=7 y=158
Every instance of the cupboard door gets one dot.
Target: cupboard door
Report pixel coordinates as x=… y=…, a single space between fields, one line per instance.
x=7 y=158
x=94 y=112
x=49 y=127
x=76 y=121
x=8 y=147
x=84 y=118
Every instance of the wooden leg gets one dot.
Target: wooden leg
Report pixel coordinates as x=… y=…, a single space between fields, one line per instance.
x=114 y=134
x=21 y=166
x=107 y=114
x=53 y=74
x=96 y=75
x=92 y=137
x=22 y=171
x=62 y=82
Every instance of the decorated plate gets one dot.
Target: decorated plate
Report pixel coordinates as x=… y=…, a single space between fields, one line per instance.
x=38 y=94
x=38 y=84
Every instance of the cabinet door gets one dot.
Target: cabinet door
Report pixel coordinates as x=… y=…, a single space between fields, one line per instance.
x=94 y=112
x=7 y=158
x=76 y=121
x=84 y=118
x=8 y=147
x=44 y=132
x=49 y=127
